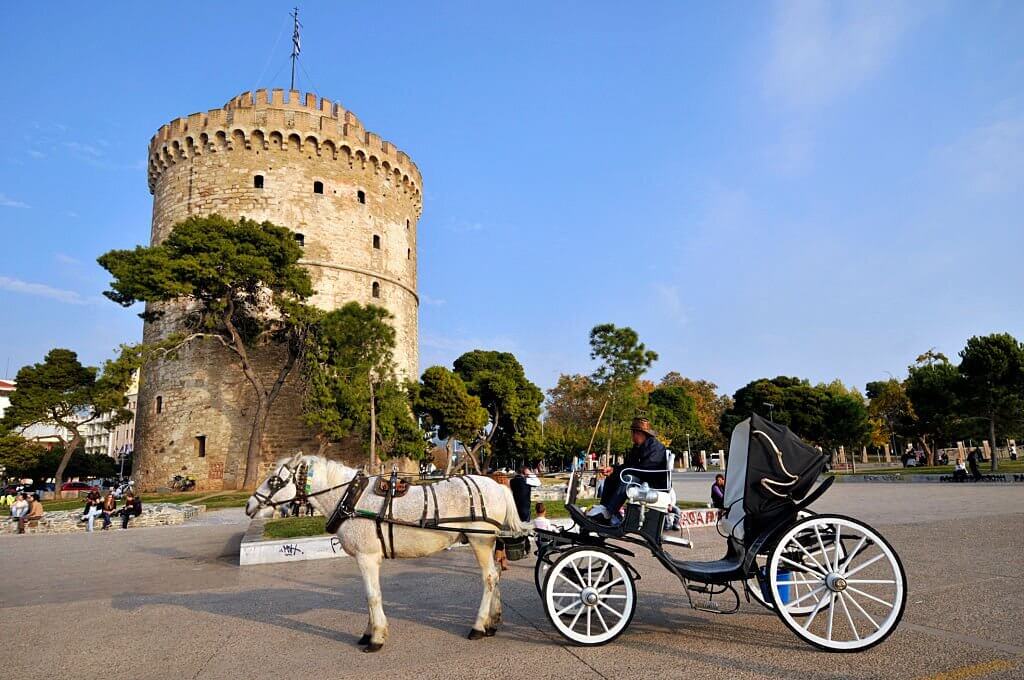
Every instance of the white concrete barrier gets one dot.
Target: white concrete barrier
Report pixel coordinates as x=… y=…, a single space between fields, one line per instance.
x=257 y=550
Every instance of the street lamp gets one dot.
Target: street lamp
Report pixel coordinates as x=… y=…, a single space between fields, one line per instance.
x=689 y=458
x=771 y=410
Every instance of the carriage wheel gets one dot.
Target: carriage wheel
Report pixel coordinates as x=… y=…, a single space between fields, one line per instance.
x=540 y=571
x=754 y=587
x=589 y=596
x=856 y=585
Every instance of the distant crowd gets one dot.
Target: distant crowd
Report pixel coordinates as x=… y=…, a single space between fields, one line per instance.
x=25 y=507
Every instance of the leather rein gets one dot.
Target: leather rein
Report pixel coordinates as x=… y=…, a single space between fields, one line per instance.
x=275 y=483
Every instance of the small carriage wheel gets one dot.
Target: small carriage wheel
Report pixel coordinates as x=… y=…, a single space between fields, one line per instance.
x=753 y=584
x=858 y=589
x=589 y=596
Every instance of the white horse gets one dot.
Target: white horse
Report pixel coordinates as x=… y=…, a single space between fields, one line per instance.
x=450 y=498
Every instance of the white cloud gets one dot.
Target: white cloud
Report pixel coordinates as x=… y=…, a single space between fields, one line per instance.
x=86 y=150
x=42 y=290
x=8 y=202
x=991 y=157
x=821 y=51
x=427 y=300
x=66 y=259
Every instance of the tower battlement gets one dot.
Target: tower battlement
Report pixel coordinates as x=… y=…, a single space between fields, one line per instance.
x=284 y=120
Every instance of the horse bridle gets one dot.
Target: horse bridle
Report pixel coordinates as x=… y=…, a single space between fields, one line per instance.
x=299 y=476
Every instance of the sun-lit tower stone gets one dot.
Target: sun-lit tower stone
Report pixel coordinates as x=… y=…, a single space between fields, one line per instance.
x=353 y=201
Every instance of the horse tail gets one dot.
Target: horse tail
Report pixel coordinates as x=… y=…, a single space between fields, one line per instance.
x=511 y=521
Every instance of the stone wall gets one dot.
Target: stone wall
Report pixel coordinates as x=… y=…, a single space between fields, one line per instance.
x=67 y=521
x=352 y=197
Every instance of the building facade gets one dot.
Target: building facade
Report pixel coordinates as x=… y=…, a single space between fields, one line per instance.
x=352 y=200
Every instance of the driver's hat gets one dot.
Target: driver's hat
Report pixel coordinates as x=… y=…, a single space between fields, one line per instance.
x=643 y=425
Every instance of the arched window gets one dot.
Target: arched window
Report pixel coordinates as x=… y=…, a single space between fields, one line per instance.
x=407 y=224
x=159 y=404
x=257 y=182
x=408 y=253
x=375 y=291
x=318 y=187
x=376 y=241
x=300 y=239
x=201 y=446
x=361 y=195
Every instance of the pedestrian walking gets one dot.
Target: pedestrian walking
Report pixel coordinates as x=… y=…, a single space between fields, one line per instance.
x=972 y=463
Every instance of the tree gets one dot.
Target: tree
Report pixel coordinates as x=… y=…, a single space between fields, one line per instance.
x=19 y=456
x=352 y=388
x=241 y=285
x=452 y=414
x=992 y=382
x=574 y=402
x=845 y=420
x=931 y=386
x=709 y=405
x=890 y=411
x=63 y=392
x=623 y=359
x=673 y=413
x=512 y=403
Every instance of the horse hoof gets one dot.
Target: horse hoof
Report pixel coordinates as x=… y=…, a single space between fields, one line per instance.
x=475 y=634
x=365 y=640
x=374 y=647
x=490 y=632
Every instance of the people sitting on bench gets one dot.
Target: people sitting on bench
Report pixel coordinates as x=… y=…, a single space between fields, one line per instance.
x=35 y=512
x=647 y=454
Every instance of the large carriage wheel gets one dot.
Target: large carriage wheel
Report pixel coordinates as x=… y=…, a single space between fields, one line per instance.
x=540 y=570
x=856 y=585
x=757 y=593
x=589 y=596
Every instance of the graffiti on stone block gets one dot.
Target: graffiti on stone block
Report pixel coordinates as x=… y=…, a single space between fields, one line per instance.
x=216 y=470
x=335 y=544
x=290 y=550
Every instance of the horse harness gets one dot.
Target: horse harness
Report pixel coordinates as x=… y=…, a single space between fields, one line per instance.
x=388 y=490
x=299 y=476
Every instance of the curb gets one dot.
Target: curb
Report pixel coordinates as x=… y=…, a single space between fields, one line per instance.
x=255 y=550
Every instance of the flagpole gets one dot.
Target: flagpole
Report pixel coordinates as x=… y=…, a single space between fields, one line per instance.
x=295 y=44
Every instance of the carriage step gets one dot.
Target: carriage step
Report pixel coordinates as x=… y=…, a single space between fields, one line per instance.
x=710 y=606
x=677 y=540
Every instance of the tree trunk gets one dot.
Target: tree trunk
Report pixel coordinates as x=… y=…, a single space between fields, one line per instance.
x=450 y=447
x=994 y=465
x=69 y=449
x=928 y=450
x=373 y=433
x=252 y=453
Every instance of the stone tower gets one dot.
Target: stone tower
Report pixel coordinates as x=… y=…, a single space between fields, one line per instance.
x=353 y=201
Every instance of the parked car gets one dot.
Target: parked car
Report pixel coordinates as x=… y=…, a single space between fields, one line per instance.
x=76 y=486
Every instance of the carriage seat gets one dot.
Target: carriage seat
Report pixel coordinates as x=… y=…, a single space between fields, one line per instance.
x=585 y=523
x=729 y=568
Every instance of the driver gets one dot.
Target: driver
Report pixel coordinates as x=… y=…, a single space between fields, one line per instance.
x=647 y=454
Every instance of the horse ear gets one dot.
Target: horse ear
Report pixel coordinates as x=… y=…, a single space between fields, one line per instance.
x=296 y=459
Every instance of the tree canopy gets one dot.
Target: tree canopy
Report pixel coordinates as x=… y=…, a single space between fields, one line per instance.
x=241 y=284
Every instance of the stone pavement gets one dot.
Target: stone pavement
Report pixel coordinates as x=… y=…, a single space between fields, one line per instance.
x=172 y=603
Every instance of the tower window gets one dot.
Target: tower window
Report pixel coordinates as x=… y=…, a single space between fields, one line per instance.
x=159 y=404
x=361 y=195
x=300 y=239
x=375 y=291
x=408 y=253
x=407 y=224
x=376 y=241
x=201 y=446
x=318 y=187
x=257 y=182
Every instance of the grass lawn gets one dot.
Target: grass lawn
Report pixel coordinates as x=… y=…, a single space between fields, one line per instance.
x=216 y=500
x=295 y=527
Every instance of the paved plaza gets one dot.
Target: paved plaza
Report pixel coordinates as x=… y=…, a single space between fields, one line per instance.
x=172 y=603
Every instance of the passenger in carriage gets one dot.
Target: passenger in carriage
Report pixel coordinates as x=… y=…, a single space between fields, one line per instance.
x=647 y=454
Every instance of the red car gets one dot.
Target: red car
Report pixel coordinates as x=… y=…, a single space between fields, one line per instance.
x=76 y=486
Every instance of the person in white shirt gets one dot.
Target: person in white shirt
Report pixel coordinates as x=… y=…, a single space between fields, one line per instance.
x=540 y=520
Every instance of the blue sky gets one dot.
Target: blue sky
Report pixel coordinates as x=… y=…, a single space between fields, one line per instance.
x=821 y=190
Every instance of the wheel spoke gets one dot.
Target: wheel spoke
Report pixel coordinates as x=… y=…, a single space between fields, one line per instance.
x=590 y=570
x=613 y=610
x=803 y=567
x=864 y=613
x=565 y=594
x=817 y=608
x=824 y=553
x=578 y=574
x=890 y=605
x=610 y=584
x=866 y=564
x=600 y=617
x=831 y=614
x=566 y=610
x=804 y=597
x=589 y=609
x=869 y=580
x=576 y=618
x=563 y=577
x=856 y=551
x=821 y=570
x=614 y=597
x=835 y=566
x=600 y=574
x=849 y=619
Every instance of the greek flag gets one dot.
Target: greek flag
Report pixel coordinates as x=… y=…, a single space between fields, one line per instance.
x=296 y=43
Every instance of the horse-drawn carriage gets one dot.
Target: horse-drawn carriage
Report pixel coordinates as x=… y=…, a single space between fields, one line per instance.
x=833 y=580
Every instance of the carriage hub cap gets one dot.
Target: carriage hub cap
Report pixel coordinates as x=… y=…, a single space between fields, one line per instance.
x=589 y=597
x=835 y=583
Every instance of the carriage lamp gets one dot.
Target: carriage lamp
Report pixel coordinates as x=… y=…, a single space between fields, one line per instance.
x=642 y=494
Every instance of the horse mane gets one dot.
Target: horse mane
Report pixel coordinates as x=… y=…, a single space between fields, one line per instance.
x=334 y=472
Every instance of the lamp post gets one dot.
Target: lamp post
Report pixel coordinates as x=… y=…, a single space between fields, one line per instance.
x=689 y=458
x=771 y=410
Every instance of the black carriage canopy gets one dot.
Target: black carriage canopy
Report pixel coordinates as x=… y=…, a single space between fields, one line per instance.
x=769 y=469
